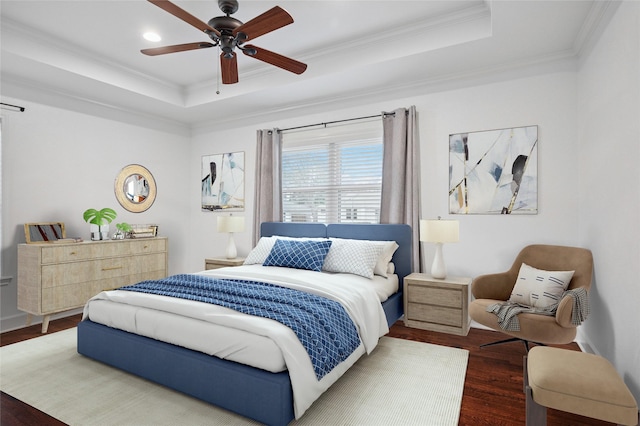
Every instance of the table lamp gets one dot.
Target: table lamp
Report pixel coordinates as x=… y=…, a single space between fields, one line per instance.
x=439 y=232
x=231 y=224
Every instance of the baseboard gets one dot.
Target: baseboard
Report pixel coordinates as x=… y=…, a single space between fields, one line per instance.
x=18 y=321
x=480 y=326
x=584 y=343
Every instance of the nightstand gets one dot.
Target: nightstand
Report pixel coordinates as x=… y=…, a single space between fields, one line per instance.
x=222 y=262
x=437 y=305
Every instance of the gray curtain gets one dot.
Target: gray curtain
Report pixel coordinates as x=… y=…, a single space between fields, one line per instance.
x=401 y=173
x=268 y=190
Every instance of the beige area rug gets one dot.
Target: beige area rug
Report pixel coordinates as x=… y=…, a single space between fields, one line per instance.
x=400 y=383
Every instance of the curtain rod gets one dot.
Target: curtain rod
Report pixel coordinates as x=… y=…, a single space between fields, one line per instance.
x=13 y=106
x=337 y=121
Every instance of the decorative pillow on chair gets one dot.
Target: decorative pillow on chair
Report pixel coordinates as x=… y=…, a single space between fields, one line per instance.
x=298 y=254
x=539 y=288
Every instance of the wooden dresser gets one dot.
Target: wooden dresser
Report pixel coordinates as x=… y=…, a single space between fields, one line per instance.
x=58 y=277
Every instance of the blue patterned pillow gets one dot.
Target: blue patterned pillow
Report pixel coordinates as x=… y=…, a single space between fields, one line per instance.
x=298 y=254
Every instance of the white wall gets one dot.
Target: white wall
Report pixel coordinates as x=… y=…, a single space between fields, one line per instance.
x=487 y=243
x=58 y=163
x=609 y=154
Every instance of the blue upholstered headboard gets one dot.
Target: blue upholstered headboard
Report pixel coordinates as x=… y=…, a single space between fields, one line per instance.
x=401 y=234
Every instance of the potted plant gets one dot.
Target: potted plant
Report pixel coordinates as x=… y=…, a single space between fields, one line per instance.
x=123 y=231
x=99 y=221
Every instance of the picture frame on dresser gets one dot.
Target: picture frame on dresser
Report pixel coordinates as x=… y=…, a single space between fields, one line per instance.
x=44 y=232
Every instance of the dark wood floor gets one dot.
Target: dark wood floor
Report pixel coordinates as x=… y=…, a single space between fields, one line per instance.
x=492 y=395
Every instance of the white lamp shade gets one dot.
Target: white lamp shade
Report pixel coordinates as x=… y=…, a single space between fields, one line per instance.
x=230 y=224
x=439 y=231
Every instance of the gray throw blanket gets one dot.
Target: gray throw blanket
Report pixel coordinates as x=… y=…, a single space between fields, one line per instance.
x=507 y=312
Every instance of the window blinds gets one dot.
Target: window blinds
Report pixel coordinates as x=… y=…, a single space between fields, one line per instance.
x=333 y=174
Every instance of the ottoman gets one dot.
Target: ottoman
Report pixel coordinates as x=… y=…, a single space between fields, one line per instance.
x=575 y=382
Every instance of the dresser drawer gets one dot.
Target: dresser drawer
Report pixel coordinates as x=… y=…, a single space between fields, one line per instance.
x=151 y=245
x=75 y=295
x=101 y=249
x=68 y=253
x=101 y=269
x=435 y=296
x=434 y=314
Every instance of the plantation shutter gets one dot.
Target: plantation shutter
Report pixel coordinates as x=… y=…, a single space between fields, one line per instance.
x=333 y=174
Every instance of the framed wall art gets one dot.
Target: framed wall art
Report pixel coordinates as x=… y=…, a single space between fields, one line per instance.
x=222 y=183
x=44 y=232
x=494 y=171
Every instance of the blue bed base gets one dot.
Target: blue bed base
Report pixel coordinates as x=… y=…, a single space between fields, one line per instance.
x=257 y=394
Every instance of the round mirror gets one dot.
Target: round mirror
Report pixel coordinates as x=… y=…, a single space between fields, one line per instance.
x=135 y=188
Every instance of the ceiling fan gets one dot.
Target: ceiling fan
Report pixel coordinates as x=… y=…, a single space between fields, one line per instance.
x=229 y=33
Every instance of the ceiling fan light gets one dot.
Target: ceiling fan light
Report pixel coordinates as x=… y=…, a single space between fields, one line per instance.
x=250 y=51
x=151 y=36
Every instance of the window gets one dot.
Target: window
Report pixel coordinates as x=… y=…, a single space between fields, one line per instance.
x=333 y=174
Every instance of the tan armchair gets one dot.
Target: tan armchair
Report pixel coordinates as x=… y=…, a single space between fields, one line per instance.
x=541 y=329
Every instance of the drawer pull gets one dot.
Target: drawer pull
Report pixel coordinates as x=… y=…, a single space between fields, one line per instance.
x=113 y=268
x=73 y=253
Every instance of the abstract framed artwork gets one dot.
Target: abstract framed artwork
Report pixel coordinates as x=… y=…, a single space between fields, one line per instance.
x=222 y=185
x=494 y=171
x=44 y=232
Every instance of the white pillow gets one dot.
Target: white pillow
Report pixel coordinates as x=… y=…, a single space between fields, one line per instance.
x=391 y=269
x=539 y=288
x=382 y=266
x=261 y=251
x=357 y=257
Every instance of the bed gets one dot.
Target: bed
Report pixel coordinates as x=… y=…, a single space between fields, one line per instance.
x=256 y=393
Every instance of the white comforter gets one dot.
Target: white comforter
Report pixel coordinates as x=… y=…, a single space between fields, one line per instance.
x=355 y=293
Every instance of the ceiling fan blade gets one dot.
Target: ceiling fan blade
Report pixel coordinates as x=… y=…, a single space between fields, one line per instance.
x=185 y=16
x=154 y=51
x=270 y=20
x=229 y=68
x=275 y=59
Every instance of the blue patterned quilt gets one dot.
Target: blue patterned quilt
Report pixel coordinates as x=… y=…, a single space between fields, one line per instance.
x=322 y=325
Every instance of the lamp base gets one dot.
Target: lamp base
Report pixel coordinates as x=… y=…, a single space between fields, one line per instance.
x=438 y=270
x=232 y=253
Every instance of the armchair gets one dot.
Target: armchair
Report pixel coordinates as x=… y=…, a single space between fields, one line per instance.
x=541 y=329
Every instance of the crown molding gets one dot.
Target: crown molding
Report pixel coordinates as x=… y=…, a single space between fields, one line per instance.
x=155 y=87
x=598 y=18
x=413 y=31
x=563 y=61
x=408 y=32
x=33 y=91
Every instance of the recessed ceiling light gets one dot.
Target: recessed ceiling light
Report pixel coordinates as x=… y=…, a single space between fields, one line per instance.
x=152 y=36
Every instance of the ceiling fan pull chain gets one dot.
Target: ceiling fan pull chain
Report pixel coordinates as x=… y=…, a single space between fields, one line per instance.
x=218 y=77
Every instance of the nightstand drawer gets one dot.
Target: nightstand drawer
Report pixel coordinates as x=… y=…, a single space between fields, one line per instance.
x=434 y=314
x=435 y=296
